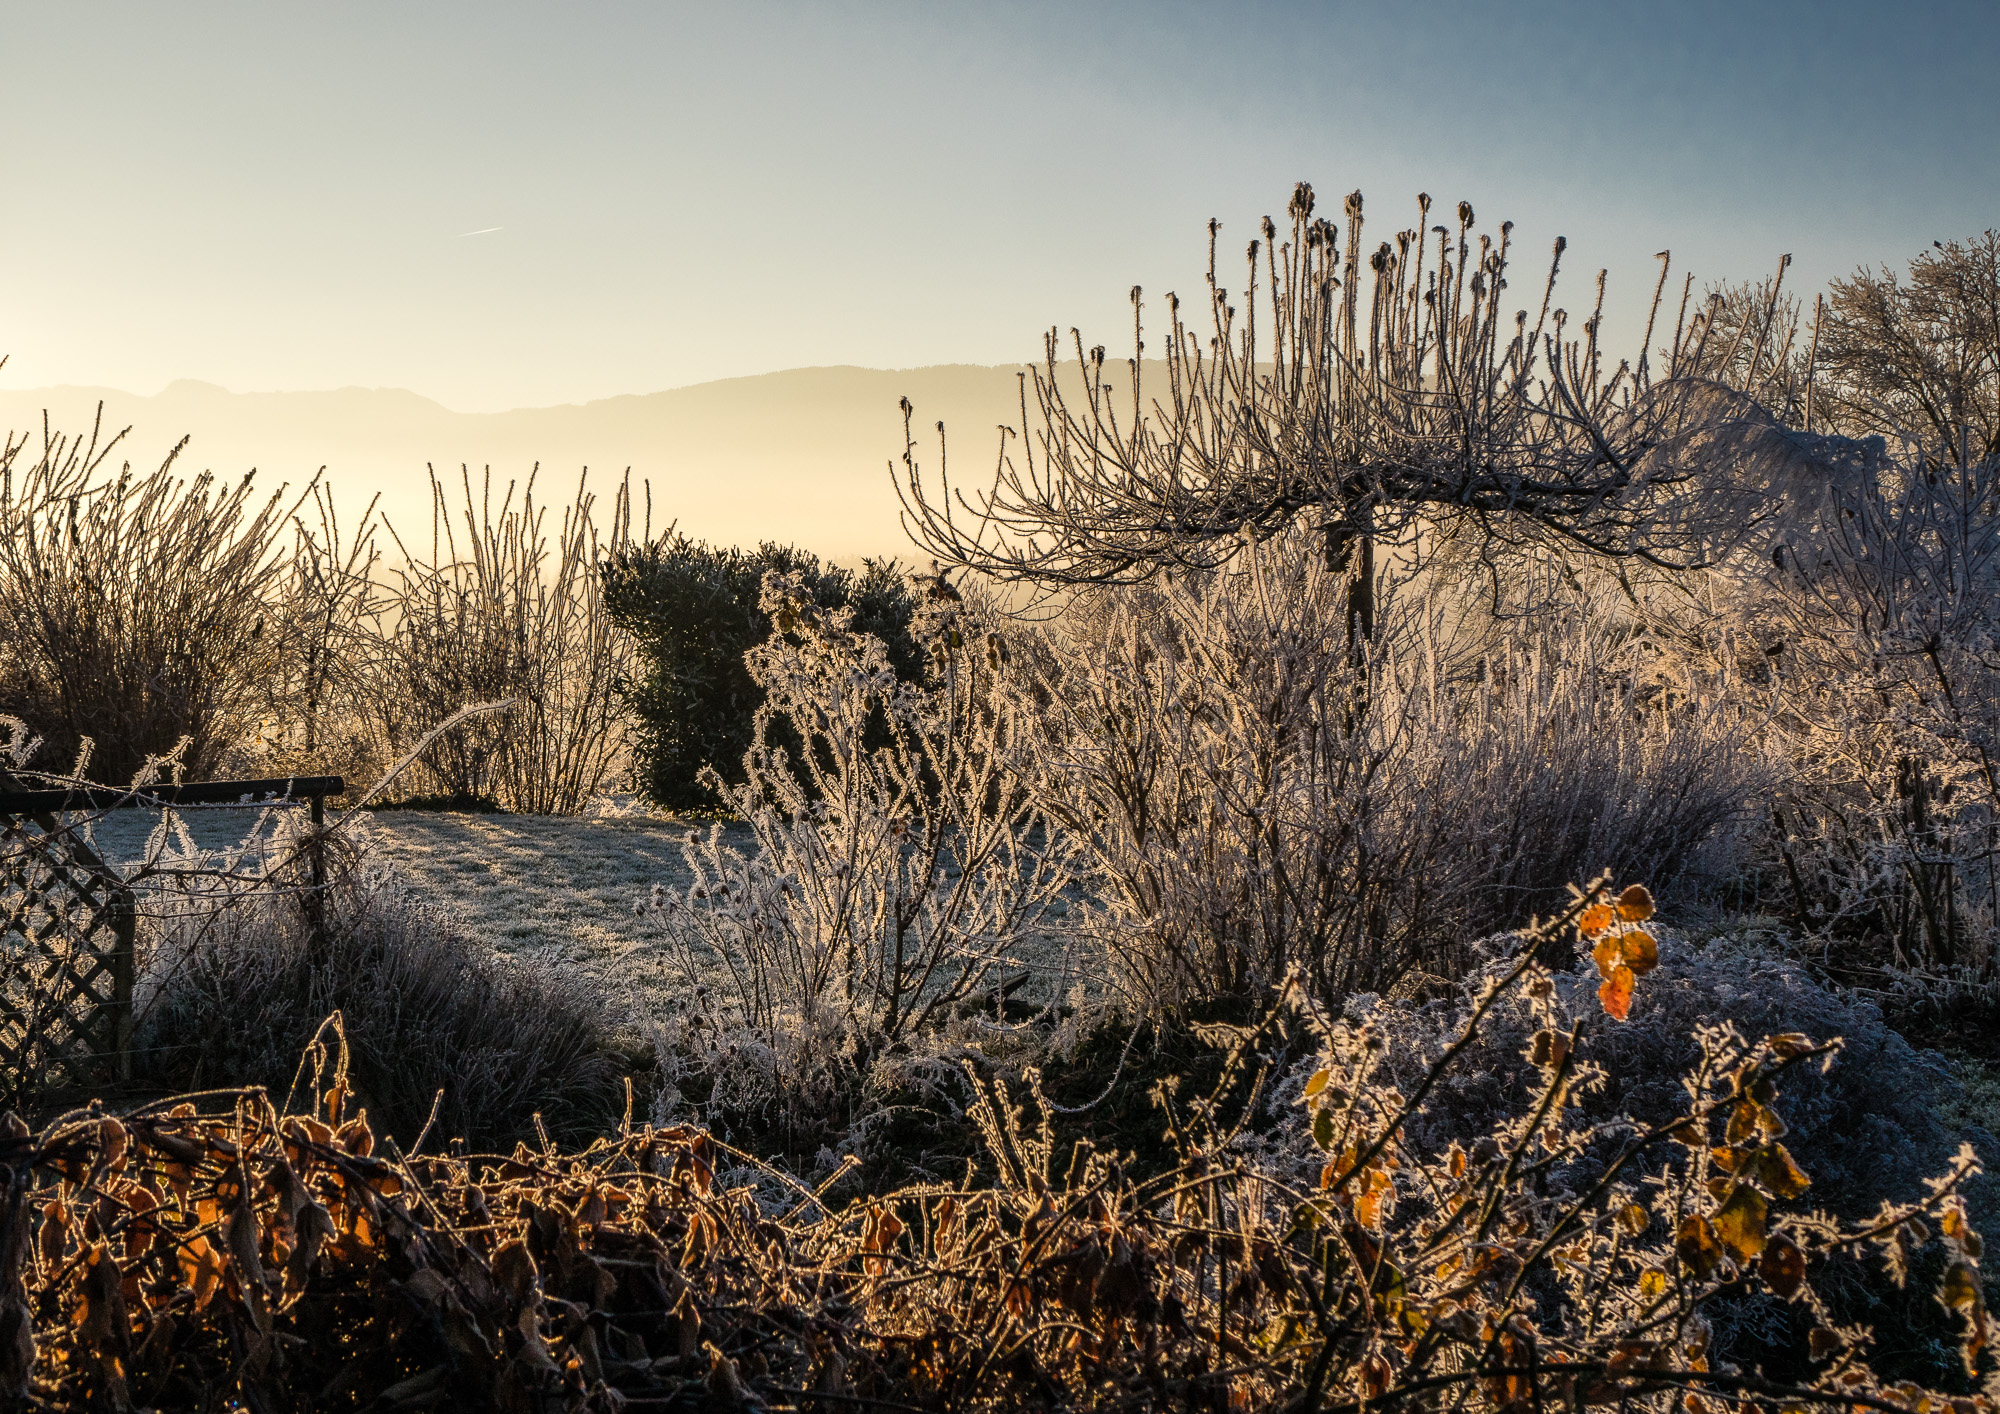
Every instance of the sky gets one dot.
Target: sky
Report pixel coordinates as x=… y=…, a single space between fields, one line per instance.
x=279 y=196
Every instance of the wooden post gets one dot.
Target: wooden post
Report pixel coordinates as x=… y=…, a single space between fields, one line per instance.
x=124 y=970
x=316 y=900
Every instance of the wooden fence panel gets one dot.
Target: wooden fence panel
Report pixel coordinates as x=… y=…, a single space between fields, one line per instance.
x=69 y=926
x=67 y=930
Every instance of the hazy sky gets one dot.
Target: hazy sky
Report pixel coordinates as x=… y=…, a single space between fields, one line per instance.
x=273 y=195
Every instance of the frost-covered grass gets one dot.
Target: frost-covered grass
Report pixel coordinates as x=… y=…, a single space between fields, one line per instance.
x=525 y=883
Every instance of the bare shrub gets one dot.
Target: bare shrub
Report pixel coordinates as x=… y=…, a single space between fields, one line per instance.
x=1386 y=1275
x=1358 y=394
x=1882 y=617
x=323 y=648
x=233 y=991
x=505 y=615
x=135 y=608
x=889 y=884
x=1259 y=793
x=1867 y=1127
x=1920 y=357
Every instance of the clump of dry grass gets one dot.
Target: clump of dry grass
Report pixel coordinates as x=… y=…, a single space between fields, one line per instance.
x=326 y=651
x=231 y=993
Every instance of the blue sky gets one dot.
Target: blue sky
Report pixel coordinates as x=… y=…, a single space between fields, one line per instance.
x=273 y=195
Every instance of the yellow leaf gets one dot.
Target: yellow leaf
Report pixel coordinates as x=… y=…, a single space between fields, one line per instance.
x=1739 y=1223
x=1773 y=1169
x=1696 y=1246
x=1960 y=1290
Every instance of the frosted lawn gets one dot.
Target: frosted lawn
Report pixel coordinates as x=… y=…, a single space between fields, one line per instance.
x=529 y=884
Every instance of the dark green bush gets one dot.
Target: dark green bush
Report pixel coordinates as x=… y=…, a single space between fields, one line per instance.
x=693 y=609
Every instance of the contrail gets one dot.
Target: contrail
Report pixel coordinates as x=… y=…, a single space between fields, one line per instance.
x=487 y=231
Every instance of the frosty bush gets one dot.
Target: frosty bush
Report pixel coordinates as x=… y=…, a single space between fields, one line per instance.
x=1883 y=614
x=889 y=886
x=1259 y=792
x=1868 y=1124
x=1865 y=1126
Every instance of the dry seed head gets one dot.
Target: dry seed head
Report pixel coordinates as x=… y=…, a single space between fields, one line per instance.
x=1465 y=213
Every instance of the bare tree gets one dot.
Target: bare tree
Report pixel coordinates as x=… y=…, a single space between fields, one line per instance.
x=1363 y=394
x=1920 y=359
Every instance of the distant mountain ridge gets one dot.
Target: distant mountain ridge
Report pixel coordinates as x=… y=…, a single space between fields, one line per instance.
x=799 y=456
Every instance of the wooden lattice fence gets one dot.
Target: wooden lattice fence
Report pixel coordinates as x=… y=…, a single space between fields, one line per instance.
x=69 y=926
x=66 y=959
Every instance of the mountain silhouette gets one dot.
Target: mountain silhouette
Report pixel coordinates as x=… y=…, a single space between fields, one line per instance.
x=799 y=456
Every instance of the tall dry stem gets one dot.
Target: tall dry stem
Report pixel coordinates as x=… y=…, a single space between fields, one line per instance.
x=135 y=608
x=508 y=614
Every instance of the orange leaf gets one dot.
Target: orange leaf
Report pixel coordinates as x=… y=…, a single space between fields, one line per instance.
x=1641 y=952
x=201 y=1270
x=1616 y=993
x=1595 y=919
x=1635 y=905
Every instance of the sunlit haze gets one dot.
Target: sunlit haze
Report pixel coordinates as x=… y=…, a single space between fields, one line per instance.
x=505 y=206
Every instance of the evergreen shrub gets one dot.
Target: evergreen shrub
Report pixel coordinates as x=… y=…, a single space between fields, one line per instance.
x=692 y=607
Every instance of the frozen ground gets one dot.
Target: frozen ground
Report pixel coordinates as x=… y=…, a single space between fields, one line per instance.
x=527 y=883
